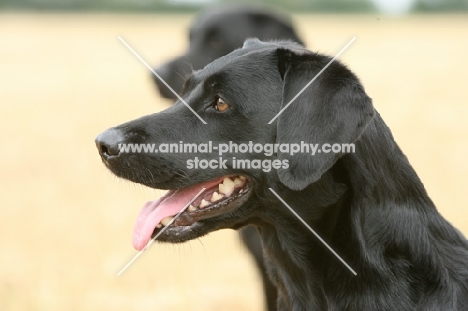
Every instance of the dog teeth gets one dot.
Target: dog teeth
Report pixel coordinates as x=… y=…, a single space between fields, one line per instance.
x=216 y=196
x=166 y=220
x=192 y=208
x=243 y=178
x=227 y=187
x=159 y=226
x=222 y=189
x=238 y=182
x=204 y=203
x=228 y=181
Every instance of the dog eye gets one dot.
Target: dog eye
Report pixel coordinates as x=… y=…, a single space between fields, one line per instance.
x=221 y=105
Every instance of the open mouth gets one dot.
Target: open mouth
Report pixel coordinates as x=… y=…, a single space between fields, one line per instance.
x=221 y=196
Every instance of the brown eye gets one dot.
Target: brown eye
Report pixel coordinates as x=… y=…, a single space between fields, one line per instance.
x=221 y=105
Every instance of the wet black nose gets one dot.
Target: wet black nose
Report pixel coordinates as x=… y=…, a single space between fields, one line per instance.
x=108 y=143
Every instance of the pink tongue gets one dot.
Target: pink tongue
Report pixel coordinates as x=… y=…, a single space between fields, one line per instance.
x=168 y=205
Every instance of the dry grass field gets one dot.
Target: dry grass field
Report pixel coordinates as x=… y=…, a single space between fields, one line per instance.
x=66 y=222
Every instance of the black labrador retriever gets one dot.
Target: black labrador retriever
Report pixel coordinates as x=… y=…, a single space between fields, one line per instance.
x=217 y=32
x=368 y=205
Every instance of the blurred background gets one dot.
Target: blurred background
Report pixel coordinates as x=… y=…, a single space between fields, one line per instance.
x=66 y=222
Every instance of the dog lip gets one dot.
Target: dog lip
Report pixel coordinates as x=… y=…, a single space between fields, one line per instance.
x=178 y=231
x=107 y=159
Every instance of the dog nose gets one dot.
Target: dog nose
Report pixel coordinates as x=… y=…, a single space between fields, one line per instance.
x=108 y=143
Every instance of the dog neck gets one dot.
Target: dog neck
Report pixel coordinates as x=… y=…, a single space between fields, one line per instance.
x=377 y=177
x=297 y=257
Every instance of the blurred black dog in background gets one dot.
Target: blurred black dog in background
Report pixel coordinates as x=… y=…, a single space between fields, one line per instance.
x=215 y=33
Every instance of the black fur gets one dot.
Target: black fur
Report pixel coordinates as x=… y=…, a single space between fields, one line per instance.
x=369 y=206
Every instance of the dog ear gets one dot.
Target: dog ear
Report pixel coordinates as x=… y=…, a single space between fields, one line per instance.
x=333 y=109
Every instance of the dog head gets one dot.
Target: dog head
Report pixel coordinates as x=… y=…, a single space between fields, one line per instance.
x=249 y=97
